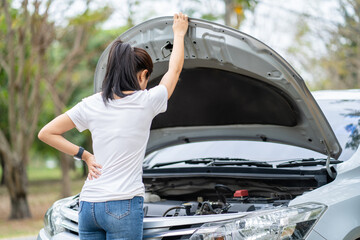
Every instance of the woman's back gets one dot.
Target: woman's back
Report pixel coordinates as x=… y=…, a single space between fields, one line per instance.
x=120 y=131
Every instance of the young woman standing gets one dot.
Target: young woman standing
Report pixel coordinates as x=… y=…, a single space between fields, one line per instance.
x=119 y=119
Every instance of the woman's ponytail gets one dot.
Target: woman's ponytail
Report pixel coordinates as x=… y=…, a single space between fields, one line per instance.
x=124 y=62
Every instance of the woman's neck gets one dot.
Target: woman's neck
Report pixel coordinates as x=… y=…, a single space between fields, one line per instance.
x=125 y=92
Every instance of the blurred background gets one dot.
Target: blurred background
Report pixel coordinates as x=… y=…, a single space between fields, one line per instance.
x=48 y=54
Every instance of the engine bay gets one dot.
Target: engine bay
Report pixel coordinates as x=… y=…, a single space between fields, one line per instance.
x=214 y=194
x=154 y=206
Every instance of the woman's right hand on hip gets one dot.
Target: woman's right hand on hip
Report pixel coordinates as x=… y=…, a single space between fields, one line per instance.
x=93 y=167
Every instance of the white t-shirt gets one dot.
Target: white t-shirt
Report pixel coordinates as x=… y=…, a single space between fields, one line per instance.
x=120 y=132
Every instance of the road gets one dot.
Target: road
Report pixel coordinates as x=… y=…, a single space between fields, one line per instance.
x=21 y=238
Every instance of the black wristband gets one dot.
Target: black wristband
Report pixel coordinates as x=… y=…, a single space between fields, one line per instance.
x=78 y=156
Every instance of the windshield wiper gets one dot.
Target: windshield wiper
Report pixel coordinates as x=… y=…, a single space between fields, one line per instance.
x=217 y=162
x=191 y=161
x=238 y=163
x=307 y=162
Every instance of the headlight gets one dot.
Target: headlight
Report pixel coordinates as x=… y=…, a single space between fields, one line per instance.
x=287 y=223
x=53 y=218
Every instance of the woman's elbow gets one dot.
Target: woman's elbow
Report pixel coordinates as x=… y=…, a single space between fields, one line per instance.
x=42 y=135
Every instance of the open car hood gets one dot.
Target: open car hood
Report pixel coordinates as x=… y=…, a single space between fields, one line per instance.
x=232 y=87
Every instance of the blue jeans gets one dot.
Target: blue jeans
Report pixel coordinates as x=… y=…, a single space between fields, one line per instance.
x=122 y=219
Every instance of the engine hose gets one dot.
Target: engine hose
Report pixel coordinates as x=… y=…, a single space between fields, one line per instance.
x=203 y=206
x=172 y=208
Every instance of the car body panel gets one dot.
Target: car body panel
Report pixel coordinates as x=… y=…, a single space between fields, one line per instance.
x=315 y=236
x=61 y=236
x=342 y=196
x=225 y=67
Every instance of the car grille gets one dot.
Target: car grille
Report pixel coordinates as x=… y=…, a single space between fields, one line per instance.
x=155 y=228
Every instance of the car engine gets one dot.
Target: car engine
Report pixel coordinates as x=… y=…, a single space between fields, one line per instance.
x=241 y=201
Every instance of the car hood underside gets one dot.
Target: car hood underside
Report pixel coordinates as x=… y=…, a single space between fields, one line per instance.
x=232 y=87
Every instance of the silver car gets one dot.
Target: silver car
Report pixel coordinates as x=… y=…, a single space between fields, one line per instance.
x=244 y=151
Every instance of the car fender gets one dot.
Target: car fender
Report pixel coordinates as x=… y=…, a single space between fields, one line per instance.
x=342 y=197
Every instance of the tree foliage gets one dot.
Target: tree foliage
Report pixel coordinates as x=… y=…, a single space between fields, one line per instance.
x=27 y=37
x=233 y=15
x=339 y=66
x=235 y=9
x=42 y=66
x=343 y=61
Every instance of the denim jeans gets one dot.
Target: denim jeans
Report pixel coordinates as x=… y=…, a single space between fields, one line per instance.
x=122 y=219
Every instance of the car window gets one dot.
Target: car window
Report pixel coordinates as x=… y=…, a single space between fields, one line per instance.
x=343 y=116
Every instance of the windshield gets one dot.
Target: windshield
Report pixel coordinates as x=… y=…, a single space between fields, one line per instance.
x=343 y=116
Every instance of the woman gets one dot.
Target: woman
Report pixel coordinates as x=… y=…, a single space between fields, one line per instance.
x=119 y=120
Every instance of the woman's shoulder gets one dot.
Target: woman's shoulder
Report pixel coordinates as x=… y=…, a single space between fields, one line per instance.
x=93 y=97
x=92 y=100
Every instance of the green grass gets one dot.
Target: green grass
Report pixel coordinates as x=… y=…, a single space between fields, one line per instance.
x=43 y=173
x=37 y=171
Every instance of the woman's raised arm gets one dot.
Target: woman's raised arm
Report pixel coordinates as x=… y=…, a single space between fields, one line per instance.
x=176 y=62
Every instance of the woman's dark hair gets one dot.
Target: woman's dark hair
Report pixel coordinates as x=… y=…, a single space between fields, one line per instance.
x=124 y=62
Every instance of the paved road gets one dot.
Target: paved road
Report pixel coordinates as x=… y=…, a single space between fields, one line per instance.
x=21 y=238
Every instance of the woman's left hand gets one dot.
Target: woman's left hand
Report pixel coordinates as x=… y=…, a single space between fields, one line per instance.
x=94 y=168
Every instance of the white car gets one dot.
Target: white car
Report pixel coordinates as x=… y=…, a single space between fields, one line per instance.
x=244 y=151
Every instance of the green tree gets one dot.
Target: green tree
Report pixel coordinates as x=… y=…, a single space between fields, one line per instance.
x=338 y=66
x=38 y=61
x=233 y=15
x=131 y=4
x=342 y=63
x=69 y=67
x=235 y=9
x=3 y=117
x=27 y=37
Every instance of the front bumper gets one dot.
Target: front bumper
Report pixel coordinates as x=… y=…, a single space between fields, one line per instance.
x=42 y=235
x=61 y=236
x=67 y=236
